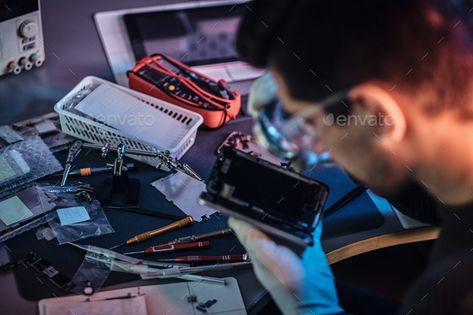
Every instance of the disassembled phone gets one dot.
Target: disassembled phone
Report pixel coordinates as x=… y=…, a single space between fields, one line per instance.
x=279 y=201
x=247 y=143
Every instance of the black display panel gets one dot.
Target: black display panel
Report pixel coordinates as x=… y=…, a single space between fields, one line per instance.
x=10 y=9
x=197 y=36
x=267 y=191
x=280 y=195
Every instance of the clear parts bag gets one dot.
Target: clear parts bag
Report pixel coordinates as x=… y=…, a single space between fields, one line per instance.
x=23 y=211
x=78 y=214
x=24 y=162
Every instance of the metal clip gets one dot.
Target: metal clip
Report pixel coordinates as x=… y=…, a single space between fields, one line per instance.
x=174 y=164
x=73 y=153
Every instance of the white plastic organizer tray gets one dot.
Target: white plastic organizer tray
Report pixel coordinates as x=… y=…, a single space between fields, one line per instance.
x=168 y=127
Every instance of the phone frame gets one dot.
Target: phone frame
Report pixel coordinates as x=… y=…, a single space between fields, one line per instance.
x=298 y=236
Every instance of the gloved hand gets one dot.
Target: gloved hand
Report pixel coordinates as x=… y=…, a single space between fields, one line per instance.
x=298 y=286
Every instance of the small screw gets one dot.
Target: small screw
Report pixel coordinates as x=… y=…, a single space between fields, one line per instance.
x=192 y=299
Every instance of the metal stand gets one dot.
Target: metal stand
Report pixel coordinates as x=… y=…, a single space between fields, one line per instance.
x=120 y=182
x=164 y=156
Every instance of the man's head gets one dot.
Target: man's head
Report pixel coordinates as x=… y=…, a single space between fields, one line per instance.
x=406 y=66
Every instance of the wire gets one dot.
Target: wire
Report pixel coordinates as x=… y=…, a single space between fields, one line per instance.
x=346 y=199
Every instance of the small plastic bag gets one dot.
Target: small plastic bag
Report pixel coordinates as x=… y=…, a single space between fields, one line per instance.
x=97 y=225
x=91 y=274
x=18 y=211
x=24 y=162
x=66 y=198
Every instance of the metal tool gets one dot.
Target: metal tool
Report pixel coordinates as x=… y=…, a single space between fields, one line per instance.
x=148 y=269
x=203 y=279
x=118 y=163
x=74 y=151
x=172 y=163
x=193 y=259
x=109 y=255
x=170 y=248
x=214 y=267
x=165 y=157
x=149 y=234
x=137 y=209
x=89 y=171
x=178 y=272
x=195 y=238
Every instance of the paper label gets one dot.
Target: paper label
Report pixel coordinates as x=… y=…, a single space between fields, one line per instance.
x=72 y=215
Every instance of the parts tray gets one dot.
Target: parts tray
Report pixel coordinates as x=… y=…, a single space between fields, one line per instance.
x=96 y=132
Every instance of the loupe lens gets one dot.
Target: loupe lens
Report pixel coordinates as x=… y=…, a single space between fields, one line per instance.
x=289 y=138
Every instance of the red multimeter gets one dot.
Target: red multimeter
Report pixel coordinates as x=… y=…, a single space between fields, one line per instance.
x=170 y=80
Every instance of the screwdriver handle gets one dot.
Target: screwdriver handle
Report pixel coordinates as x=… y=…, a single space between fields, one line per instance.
x=170 y=227
x=170 y=247
x=173 y=226
x=88 y=171
x=212 y=234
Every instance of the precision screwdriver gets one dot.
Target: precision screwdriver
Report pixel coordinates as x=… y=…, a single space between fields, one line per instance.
x=170 y=248
x=149 y=234
x=199 y=237
x=89 y=171
x=188 y=259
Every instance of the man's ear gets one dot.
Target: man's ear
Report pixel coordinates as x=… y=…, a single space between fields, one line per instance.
x=379 y=102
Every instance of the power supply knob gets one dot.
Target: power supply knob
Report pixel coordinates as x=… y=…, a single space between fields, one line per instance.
x=28 y=29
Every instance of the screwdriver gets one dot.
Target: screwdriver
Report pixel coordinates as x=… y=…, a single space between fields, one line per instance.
x=89 y=171
x=170 y=248
x=149 y=234
x=188 y=259
x=199 y=237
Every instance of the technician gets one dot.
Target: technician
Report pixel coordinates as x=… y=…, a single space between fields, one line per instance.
x=408 y=64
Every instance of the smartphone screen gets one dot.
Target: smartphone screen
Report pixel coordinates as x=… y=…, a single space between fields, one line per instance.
x=267 y=189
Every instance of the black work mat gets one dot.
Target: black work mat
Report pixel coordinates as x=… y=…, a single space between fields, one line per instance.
x=358 y=216
x=67 y=259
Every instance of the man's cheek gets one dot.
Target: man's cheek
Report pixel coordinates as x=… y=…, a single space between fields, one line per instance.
x=343 y=151
x=331 y=137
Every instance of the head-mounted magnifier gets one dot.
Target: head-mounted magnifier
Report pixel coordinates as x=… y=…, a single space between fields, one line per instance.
x=287 y=136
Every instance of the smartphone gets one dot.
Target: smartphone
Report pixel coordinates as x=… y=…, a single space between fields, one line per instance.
x=275 y=199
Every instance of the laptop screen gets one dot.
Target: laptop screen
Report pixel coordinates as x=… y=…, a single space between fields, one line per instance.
x=197 y=36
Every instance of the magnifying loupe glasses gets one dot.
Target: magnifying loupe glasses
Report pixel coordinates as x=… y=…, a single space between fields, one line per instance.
x=288 y=136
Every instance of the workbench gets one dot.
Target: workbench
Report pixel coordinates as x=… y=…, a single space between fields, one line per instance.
x=73 y=51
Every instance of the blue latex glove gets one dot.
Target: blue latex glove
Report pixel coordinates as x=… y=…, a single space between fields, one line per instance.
x=319 y=293
x=297 y=286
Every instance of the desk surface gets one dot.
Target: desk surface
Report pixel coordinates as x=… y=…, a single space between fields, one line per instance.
x=73 y=50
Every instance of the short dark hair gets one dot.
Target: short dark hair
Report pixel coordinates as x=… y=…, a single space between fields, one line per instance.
x=322 y=46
